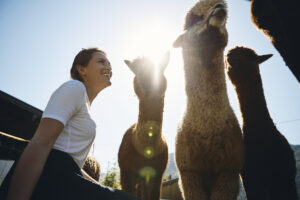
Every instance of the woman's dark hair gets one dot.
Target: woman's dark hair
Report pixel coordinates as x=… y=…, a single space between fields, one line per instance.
x=82 y=59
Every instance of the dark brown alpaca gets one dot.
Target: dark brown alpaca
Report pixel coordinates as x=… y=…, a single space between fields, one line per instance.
x=143 y=154
x=209 y=145
x=279 y=20
x=270 y=167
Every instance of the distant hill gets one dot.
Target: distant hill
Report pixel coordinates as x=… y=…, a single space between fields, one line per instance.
x=296 y=149
x=172 y=170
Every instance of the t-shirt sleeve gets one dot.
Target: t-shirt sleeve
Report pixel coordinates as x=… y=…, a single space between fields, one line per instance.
x=65 y=101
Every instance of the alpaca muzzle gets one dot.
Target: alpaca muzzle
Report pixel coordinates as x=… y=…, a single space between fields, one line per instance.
x=217 y=16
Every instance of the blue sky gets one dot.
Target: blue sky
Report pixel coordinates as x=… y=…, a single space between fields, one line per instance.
x=39 y=40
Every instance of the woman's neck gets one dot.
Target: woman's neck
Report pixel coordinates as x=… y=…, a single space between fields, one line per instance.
x=92 y=92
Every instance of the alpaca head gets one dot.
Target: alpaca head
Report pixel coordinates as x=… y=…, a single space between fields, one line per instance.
x=205 y=26
x=242 y=64
x=149 y=80
x=268 y=20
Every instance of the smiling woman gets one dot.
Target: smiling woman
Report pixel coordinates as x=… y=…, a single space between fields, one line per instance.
x=56 y=154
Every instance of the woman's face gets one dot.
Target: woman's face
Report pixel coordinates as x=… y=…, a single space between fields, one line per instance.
x=98 y=72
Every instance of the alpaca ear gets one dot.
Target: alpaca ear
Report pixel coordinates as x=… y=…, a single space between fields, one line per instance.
x=178 y=42
x=129 y=64
x=164 y=61
x=263 y=58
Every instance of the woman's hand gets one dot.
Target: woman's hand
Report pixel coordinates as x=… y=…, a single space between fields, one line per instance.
x=32 y=160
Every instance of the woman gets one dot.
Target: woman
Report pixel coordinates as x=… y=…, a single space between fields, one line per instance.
x=50 y=166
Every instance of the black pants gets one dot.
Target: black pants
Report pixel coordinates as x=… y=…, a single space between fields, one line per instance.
x=61 y=179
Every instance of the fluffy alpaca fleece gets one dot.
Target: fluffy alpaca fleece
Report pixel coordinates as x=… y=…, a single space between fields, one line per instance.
x=92 y=167
x=279 y=20
x=143 y=154
x=209 y=145
x=270 y=167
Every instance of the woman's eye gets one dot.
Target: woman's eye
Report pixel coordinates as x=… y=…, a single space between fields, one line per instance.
x=105 y=62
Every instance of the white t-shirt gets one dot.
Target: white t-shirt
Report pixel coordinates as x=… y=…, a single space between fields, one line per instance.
x=70 y=105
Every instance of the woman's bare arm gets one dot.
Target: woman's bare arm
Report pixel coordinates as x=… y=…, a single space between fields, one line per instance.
x=87 y=176
x=32 y=160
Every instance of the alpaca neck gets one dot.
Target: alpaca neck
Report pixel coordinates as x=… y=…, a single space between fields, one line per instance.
x=149 y=127
x=253 y=104
x=151 y=109
x=205 y=84
x=151 y=114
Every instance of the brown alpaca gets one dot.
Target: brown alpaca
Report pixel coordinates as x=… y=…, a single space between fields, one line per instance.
x=270 y=167
x=143 y=154
x=279 y=20
x=209 y=145
x=92 y=167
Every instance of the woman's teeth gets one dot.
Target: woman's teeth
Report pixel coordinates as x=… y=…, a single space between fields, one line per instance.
x=107 y=75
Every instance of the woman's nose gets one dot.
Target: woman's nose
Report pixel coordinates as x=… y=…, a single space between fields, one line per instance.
x=107 y=67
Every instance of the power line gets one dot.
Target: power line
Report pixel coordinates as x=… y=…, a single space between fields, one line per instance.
x=288 y=121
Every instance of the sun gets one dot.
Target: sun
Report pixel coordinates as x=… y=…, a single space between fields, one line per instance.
x=153 y=39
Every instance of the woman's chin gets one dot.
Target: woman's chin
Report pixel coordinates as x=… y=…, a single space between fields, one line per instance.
x=108 y=84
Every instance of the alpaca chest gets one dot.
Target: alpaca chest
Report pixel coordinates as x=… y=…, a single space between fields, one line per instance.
x=209 y=142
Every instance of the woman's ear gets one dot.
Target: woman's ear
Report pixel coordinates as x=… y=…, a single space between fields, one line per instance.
x=81 y=70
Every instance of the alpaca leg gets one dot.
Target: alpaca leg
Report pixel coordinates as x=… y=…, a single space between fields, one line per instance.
x=152 y=190
x=129 y=181
x=191 y=186
x=227 y=186
x=283 y=188
x=156 y=188
x=256 y=186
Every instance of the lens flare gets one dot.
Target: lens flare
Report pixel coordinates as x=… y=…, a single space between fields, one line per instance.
x=147 y=173
x=149 y=152
x=151 y=128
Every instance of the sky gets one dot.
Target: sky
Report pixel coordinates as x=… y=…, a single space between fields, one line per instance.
x=39 y=40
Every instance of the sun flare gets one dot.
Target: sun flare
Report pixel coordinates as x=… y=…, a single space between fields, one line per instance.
x=153 y=39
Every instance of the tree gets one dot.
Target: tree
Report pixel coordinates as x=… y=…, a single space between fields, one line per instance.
x=112 y=177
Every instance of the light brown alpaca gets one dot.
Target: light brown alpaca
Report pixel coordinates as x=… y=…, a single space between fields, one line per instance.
x=209 y=145
x=143 y=154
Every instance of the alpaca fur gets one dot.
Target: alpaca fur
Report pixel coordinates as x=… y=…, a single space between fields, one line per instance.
x=270 y=167
x=143 y=154
x=92 y=167
x=209 y=145
x=279 y=20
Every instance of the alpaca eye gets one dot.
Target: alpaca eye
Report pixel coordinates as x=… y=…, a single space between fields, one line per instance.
x=197 y=18
x=193 y=20
x=201 y=17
